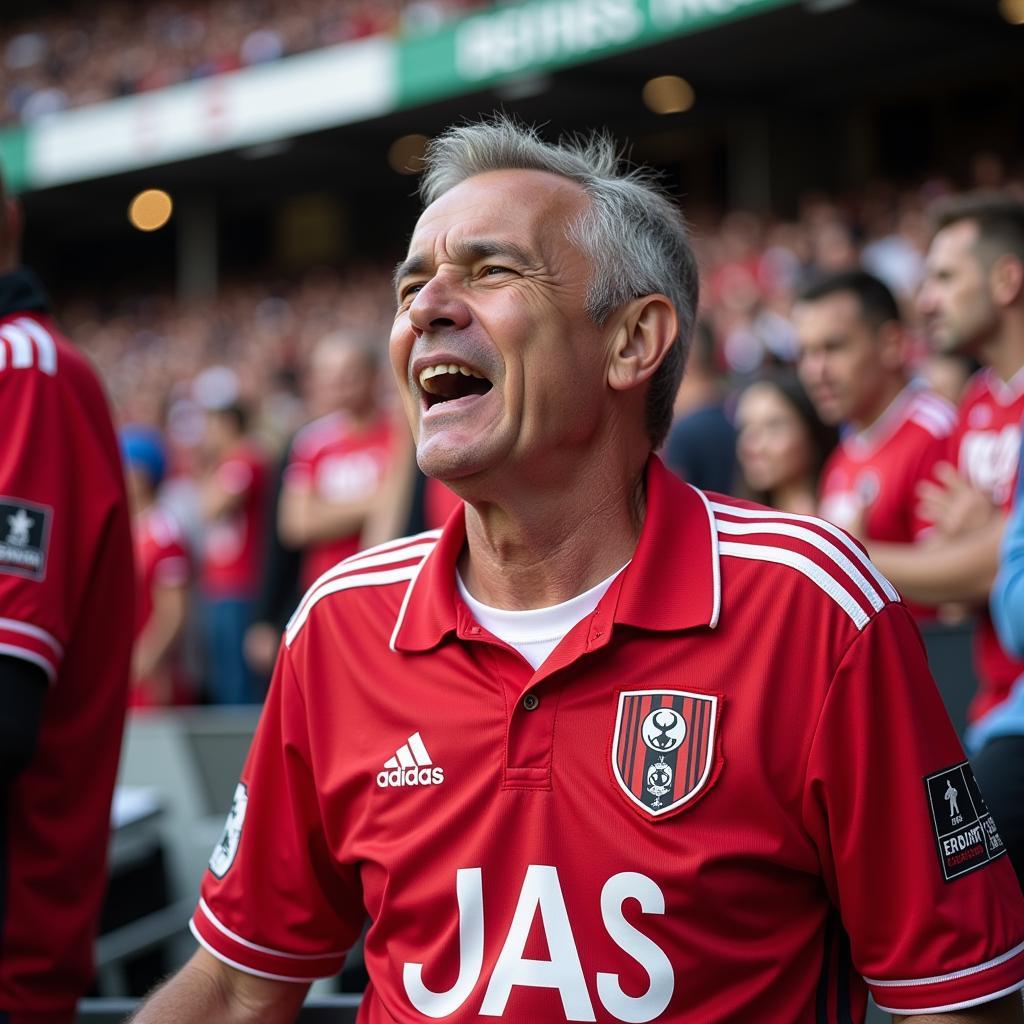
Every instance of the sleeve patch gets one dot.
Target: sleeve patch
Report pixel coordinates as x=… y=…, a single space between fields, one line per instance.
x=223 y=855
x=24 y=538
x=966 y=836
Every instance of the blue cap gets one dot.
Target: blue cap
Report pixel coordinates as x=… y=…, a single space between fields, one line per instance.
x=143 y=448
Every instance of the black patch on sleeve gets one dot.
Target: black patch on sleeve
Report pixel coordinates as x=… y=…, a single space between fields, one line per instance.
x=24 y=537
x=966 y=836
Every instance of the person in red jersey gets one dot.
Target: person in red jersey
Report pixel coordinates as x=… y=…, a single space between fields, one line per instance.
x=972 y=301
x=852 y=362
x=163 y=566
x=66 y=609
x=337 y=463
x=605 y=748
x=233 y=501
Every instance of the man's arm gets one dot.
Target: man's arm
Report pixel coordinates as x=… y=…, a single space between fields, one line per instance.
x=1002 y=1011
x=305 y=518
x=207 y=990
x=170 y=604
x=941 y=569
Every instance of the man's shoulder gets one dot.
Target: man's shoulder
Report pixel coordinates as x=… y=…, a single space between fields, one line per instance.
x=379 y=576
x=32 y=347
x=789 y=556
x=318 y=434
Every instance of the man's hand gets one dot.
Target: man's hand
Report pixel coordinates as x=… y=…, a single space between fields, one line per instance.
x=952 y=504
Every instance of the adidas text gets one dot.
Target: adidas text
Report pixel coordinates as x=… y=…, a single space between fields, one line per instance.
x=410 y=777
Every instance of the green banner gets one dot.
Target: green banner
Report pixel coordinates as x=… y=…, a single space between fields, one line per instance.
x=14 y=158
x=543 y=35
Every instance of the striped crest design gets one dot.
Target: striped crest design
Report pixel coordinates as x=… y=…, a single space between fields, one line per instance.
x=396 y=561
x=821 y=552
x=663 y=749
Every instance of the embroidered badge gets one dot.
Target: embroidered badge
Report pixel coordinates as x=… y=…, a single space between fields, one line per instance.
x=24 y=538
x=965 y=832
x=663 y=750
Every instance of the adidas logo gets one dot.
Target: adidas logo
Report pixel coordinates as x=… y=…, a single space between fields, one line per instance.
x=411 y=766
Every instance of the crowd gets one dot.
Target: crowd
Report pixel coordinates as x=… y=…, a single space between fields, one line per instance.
x=97 y=52
x=262 y=429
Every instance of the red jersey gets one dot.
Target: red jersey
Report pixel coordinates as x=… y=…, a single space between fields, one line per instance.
x=161 y=560
x=666 y=821
x=233 y=543
x=985 y=448
x=878 y=470
x=339 y=464
x=66 y=605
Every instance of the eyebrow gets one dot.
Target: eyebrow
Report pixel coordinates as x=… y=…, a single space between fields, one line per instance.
x=466 y=252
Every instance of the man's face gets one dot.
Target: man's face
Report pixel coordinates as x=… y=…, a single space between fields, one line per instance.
x=954 y=301
x=342 y=378
x=497 y=361
x=842 y=364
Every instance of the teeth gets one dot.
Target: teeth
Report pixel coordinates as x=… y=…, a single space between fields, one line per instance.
x=439 y=368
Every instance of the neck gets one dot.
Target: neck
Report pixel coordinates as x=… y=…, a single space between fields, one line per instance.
x=540 y=548
x=1005 y=352
x=797 y=498
x=886 y=395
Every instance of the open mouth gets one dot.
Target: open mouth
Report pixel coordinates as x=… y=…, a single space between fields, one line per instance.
x=447 y=382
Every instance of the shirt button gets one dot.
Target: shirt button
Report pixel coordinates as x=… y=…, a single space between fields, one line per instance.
x=531 y=702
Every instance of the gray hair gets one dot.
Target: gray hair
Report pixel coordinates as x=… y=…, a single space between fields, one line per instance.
x=633 y=234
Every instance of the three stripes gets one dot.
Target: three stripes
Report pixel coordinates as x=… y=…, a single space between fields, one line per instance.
x=28 y=343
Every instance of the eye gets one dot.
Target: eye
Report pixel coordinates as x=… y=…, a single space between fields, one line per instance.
x=493 y=270
x=407 y=291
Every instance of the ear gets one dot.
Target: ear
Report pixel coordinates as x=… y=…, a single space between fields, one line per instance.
x=646 y=329
x=1006 y=279
x=890 y=346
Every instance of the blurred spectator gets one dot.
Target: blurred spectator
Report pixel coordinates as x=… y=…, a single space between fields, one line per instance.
x=972 y=301
x=1000 y=735
x=853 y=365
x=339 y=462
x=701 y=445
x=781 y=444
x=233 y=504
x=66 y=616
x=947 y=374
x=162 y=570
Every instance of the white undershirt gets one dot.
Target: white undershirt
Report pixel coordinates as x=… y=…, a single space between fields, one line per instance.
x=535 y=632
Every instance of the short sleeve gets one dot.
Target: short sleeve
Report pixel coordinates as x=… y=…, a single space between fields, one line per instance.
x=37 y=520
x=273 y=902
x=909 y=853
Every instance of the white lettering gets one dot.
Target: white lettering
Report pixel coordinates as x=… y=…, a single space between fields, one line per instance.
x=673 y=13
x=521 y=37
x=541 y=891
x=989 y=460
x=618 y=889
x=469 y=892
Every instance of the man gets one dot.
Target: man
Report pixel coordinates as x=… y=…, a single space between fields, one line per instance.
x=972 y=301
x=567 y=754
x=66 y=615
x=163 y=571
x=338 y=462
x=233 y=500
x=851 y=361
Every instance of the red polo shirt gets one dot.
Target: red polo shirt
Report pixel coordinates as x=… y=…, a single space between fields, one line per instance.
x=730 y=794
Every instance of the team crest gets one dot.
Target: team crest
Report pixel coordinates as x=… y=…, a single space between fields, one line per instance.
x=663 y=750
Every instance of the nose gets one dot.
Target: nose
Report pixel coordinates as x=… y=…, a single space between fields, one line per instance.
x=438 y=305
x=925 y=299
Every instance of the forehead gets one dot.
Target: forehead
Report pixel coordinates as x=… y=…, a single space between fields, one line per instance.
x=954 y=243
x=762 y=402
x=532 y=208
x=831 y=315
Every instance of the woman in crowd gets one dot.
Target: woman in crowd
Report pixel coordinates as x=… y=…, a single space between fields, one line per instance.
x=782 y=444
